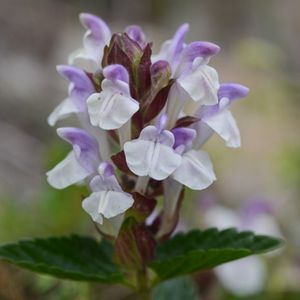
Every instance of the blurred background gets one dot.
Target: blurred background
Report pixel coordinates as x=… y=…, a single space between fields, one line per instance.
x=260 y=49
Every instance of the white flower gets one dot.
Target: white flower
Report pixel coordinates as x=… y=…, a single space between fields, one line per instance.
x=107 y=200
x=152 y=154
x=113 y=107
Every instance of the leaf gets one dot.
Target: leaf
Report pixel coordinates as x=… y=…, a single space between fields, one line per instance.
x=176 y=289
x=74 y=257
x=198 y=250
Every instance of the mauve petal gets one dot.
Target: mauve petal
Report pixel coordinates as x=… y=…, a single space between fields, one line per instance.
x=199 y=49
x=84 y=145
x=106 y=169
x=183 y=136
x=97 y=28
x=136 y=33
x=116 y=72
x=177 y=41
x=80 y=85
x=232 y=91
x=76 y=76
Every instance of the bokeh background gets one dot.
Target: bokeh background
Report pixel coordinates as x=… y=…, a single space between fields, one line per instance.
x=260 y=48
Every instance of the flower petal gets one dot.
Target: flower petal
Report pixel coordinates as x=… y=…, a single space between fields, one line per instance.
x=158 y=161
x=177 y=41
x=62 y=111
x=196 y=170
x=97 y=36
x=204 y=133
x=84 y=145
x=111 y=111
x=114 y=203
x=201 y=85
x=136 y=33
x=232 y=91
x=81 y=86
x=103 y=183
x=80 y=59
x=224 y=124
x=90 y=205
x=183 y=136
x=112 y=226
x=171 y=49
x=107 y=203
x=67 y=172
x=199 y=49
x=116 y=72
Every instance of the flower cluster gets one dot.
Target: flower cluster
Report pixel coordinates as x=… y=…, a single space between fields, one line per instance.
x=144 y=119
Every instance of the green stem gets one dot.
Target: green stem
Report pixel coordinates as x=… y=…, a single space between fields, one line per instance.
x=143 y=290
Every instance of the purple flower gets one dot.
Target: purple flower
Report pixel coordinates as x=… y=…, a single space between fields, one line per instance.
x=217 y=118
x=96 y=37
x=80 y=88
x=80 y=163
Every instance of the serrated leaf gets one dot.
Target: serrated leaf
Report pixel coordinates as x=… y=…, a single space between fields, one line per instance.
x=198 y=250
x=176 y=289
x=74 y=257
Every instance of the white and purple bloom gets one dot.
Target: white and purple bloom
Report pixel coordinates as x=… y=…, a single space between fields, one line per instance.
x=95 y=39
x=155 y=111
x=194 y=80
x=80 y=88
x=107 y=203
x=152 y=153
x=107 y=200
x=80 y=163
x=217 y=118
x=113 y=106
